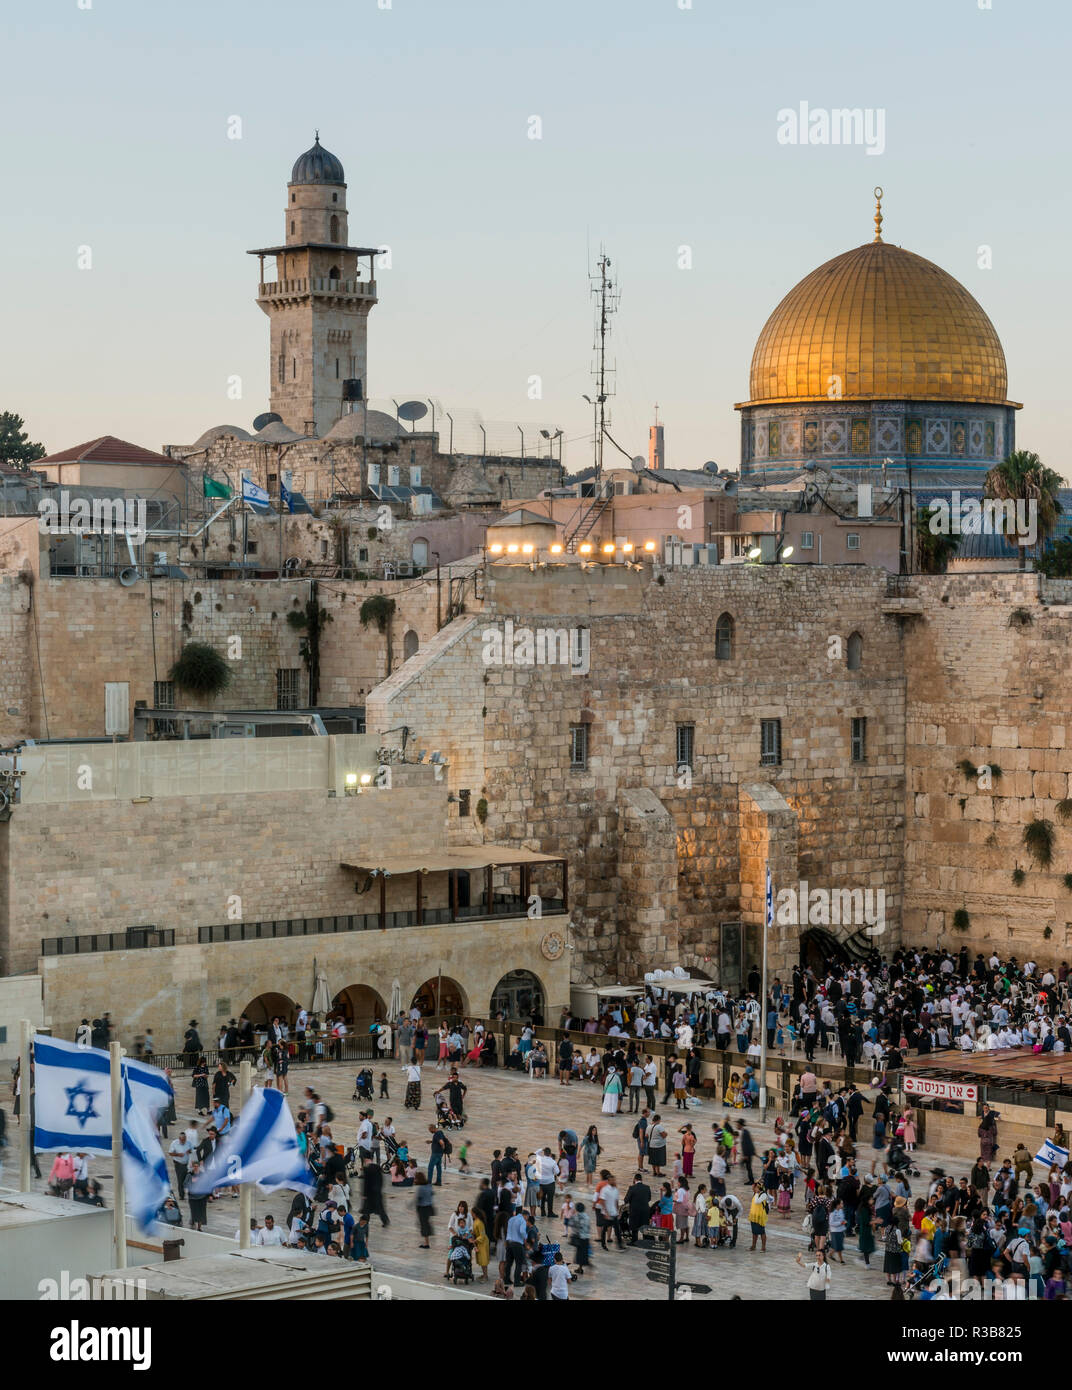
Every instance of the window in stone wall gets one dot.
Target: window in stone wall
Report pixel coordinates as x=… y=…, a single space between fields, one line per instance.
x=394 y=475
x=163 y=698
x=579 y=747
x=415 y=477
x=807 y=540
x=770 y=742
x=288 y=687
x=251 y=547
x=859 y=740
x=724 y=638
x=374 y=475
x=334 y=233
x=855 y=652
x=464 y=801
x=323 y=550
x=686 y=739
x=362 y=554
x=852 y=540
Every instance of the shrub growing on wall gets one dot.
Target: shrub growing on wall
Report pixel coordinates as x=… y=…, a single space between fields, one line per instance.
x=201 y=671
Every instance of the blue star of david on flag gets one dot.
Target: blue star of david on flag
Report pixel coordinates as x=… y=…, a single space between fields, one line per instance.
x=80 y=1103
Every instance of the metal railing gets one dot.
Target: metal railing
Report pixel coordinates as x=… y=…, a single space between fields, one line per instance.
x=133 y=939
x=504 y=908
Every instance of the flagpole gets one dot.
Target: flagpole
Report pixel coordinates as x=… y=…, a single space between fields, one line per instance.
x=245 y=1189
x=763 y=1012
x=25 y=1105
x=119 y=1216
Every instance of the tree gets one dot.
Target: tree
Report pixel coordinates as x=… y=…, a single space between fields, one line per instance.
x=1023 y=477
x=311 y=624
x=934 y=548
x=1057 y=562
x=16 y=448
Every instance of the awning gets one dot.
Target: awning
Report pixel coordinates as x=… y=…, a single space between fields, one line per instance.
x=438 y=861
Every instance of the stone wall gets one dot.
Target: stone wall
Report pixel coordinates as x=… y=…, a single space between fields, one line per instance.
x=988 y=683
x=653 y=666
x=182 y=862
x=91 y=631
x=163 y=988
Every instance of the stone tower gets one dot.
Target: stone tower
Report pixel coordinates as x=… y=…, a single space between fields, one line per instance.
x=318 y=301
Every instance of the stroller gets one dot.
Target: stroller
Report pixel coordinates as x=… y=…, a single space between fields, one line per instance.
x=446 y=1116
x=461 y=1262
x=391 y=1148
x=899 y=1161
x=919 y=1280
x=363 y=1085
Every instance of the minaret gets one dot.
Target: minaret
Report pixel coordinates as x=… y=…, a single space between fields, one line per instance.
x=319 y=301
x=656 y=457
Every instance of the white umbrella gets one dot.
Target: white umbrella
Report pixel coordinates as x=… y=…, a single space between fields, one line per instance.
x=321 y=997
x=396 y=999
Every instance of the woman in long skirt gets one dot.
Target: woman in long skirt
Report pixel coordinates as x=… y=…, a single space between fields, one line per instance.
x=612 y=1092
x=200 y=1085
x=866 y=1238
x=413 y=1087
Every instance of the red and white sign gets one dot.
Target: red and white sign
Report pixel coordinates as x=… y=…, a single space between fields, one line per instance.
x=939 y=1090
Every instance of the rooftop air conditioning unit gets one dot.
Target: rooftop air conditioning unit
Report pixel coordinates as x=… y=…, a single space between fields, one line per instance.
x=403 y=568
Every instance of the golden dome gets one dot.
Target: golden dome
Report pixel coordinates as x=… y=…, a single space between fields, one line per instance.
x=889 y=324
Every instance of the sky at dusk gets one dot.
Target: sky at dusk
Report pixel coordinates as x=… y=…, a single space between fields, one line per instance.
x=658 y=131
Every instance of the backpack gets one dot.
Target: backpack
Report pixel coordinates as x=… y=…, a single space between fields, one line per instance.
x=448 y=1147
x=329 y=1114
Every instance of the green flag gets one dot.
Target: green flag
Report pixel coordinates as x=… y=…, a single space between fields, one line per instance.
x=215 y=489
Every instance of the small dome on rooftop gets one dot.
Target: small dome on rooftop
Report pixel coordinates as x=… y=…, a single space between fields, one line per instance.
x=317 y=165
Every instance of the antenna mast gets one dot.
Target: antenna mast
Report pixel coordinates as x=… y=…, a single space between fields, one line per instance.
x=606 y=294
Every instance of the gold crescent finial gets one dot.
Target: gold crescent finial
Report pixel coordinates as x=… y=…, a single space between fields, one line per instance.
x=878 y=213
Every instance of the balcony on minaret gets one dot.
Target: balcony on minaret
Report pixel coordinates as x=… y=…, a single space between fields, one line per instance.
x=328 y=287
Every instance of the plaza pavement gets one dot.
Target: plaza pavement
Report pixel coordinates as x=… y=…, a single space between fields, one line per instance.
x=507 y=1108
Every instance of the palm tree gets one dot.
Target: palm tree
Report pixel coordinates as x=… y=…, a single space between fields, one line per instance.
x=935 y=547
x=1023 y=477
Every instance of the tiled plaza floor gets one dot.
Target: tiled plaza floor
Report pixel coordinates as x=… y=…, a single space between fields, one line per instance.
x=507 y=1108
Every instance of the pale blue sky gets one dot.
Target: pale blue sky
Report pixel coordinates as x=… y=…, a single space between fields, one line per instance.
x=659 y=130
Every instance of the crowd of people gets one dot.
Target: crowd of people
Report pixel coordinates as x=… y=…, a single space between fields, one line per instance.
x=840 y=1167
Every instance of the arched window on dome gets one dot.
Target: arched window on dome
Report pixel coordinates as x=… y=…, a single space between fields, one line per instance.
x=334 y=235
x=855 y=654
x=724 y=638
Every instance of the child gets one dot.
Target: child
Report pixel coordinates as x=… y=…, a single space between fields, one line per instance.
x=563 y=1174
x=360 y=1246
x=567 y=1210
x=463 y=1156
x=679 y=1168
x=383 y=1087
x=785 y=1194
x=714 y=1225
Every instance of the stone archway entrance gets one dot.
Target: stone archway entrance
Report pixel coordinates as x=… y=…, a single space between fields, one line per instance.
x=519 y=995
x=265 y=1007
x=819 y=948
x=440 y=995
x=359 y=1006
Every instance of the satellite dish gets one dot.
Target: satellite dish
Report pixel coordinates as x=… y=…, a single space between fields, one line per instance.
x=128 y=576
x=638 y=464
x=412 y=410
x=710 y=467
x=267 y=417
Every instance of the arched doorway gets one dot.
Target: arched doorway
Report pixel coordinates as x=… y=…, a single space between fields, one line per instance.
x=265 y=1007
x=519 y=995
x=819 y=948
x=440 y=995
x=410 y=645
x=359 y=1006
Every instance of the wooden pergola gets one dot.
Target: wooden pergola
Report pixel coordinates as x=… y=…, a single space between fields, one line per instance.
x=467 y=858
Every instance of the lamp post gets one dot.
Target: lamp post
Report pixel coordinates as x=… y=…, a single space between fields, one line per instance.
x=484 y=454
x=768 y=921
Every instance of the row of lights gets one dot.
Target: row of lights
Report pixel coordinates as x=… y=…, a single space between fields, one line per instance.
x=585 y=548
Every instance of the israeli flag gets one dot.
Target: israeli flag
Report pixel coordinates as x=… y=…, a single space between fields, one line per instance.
x=262 y=1148
x=770 y=901
x=145 y=1174
x=149 y=1087
x=1051 y=1153
x=286 y=496
x=253 y=492
x=72 y=1097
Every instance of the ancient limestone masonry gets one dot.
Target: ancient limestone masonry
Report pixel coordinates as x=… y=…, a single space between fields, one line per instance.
x=653 y=668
